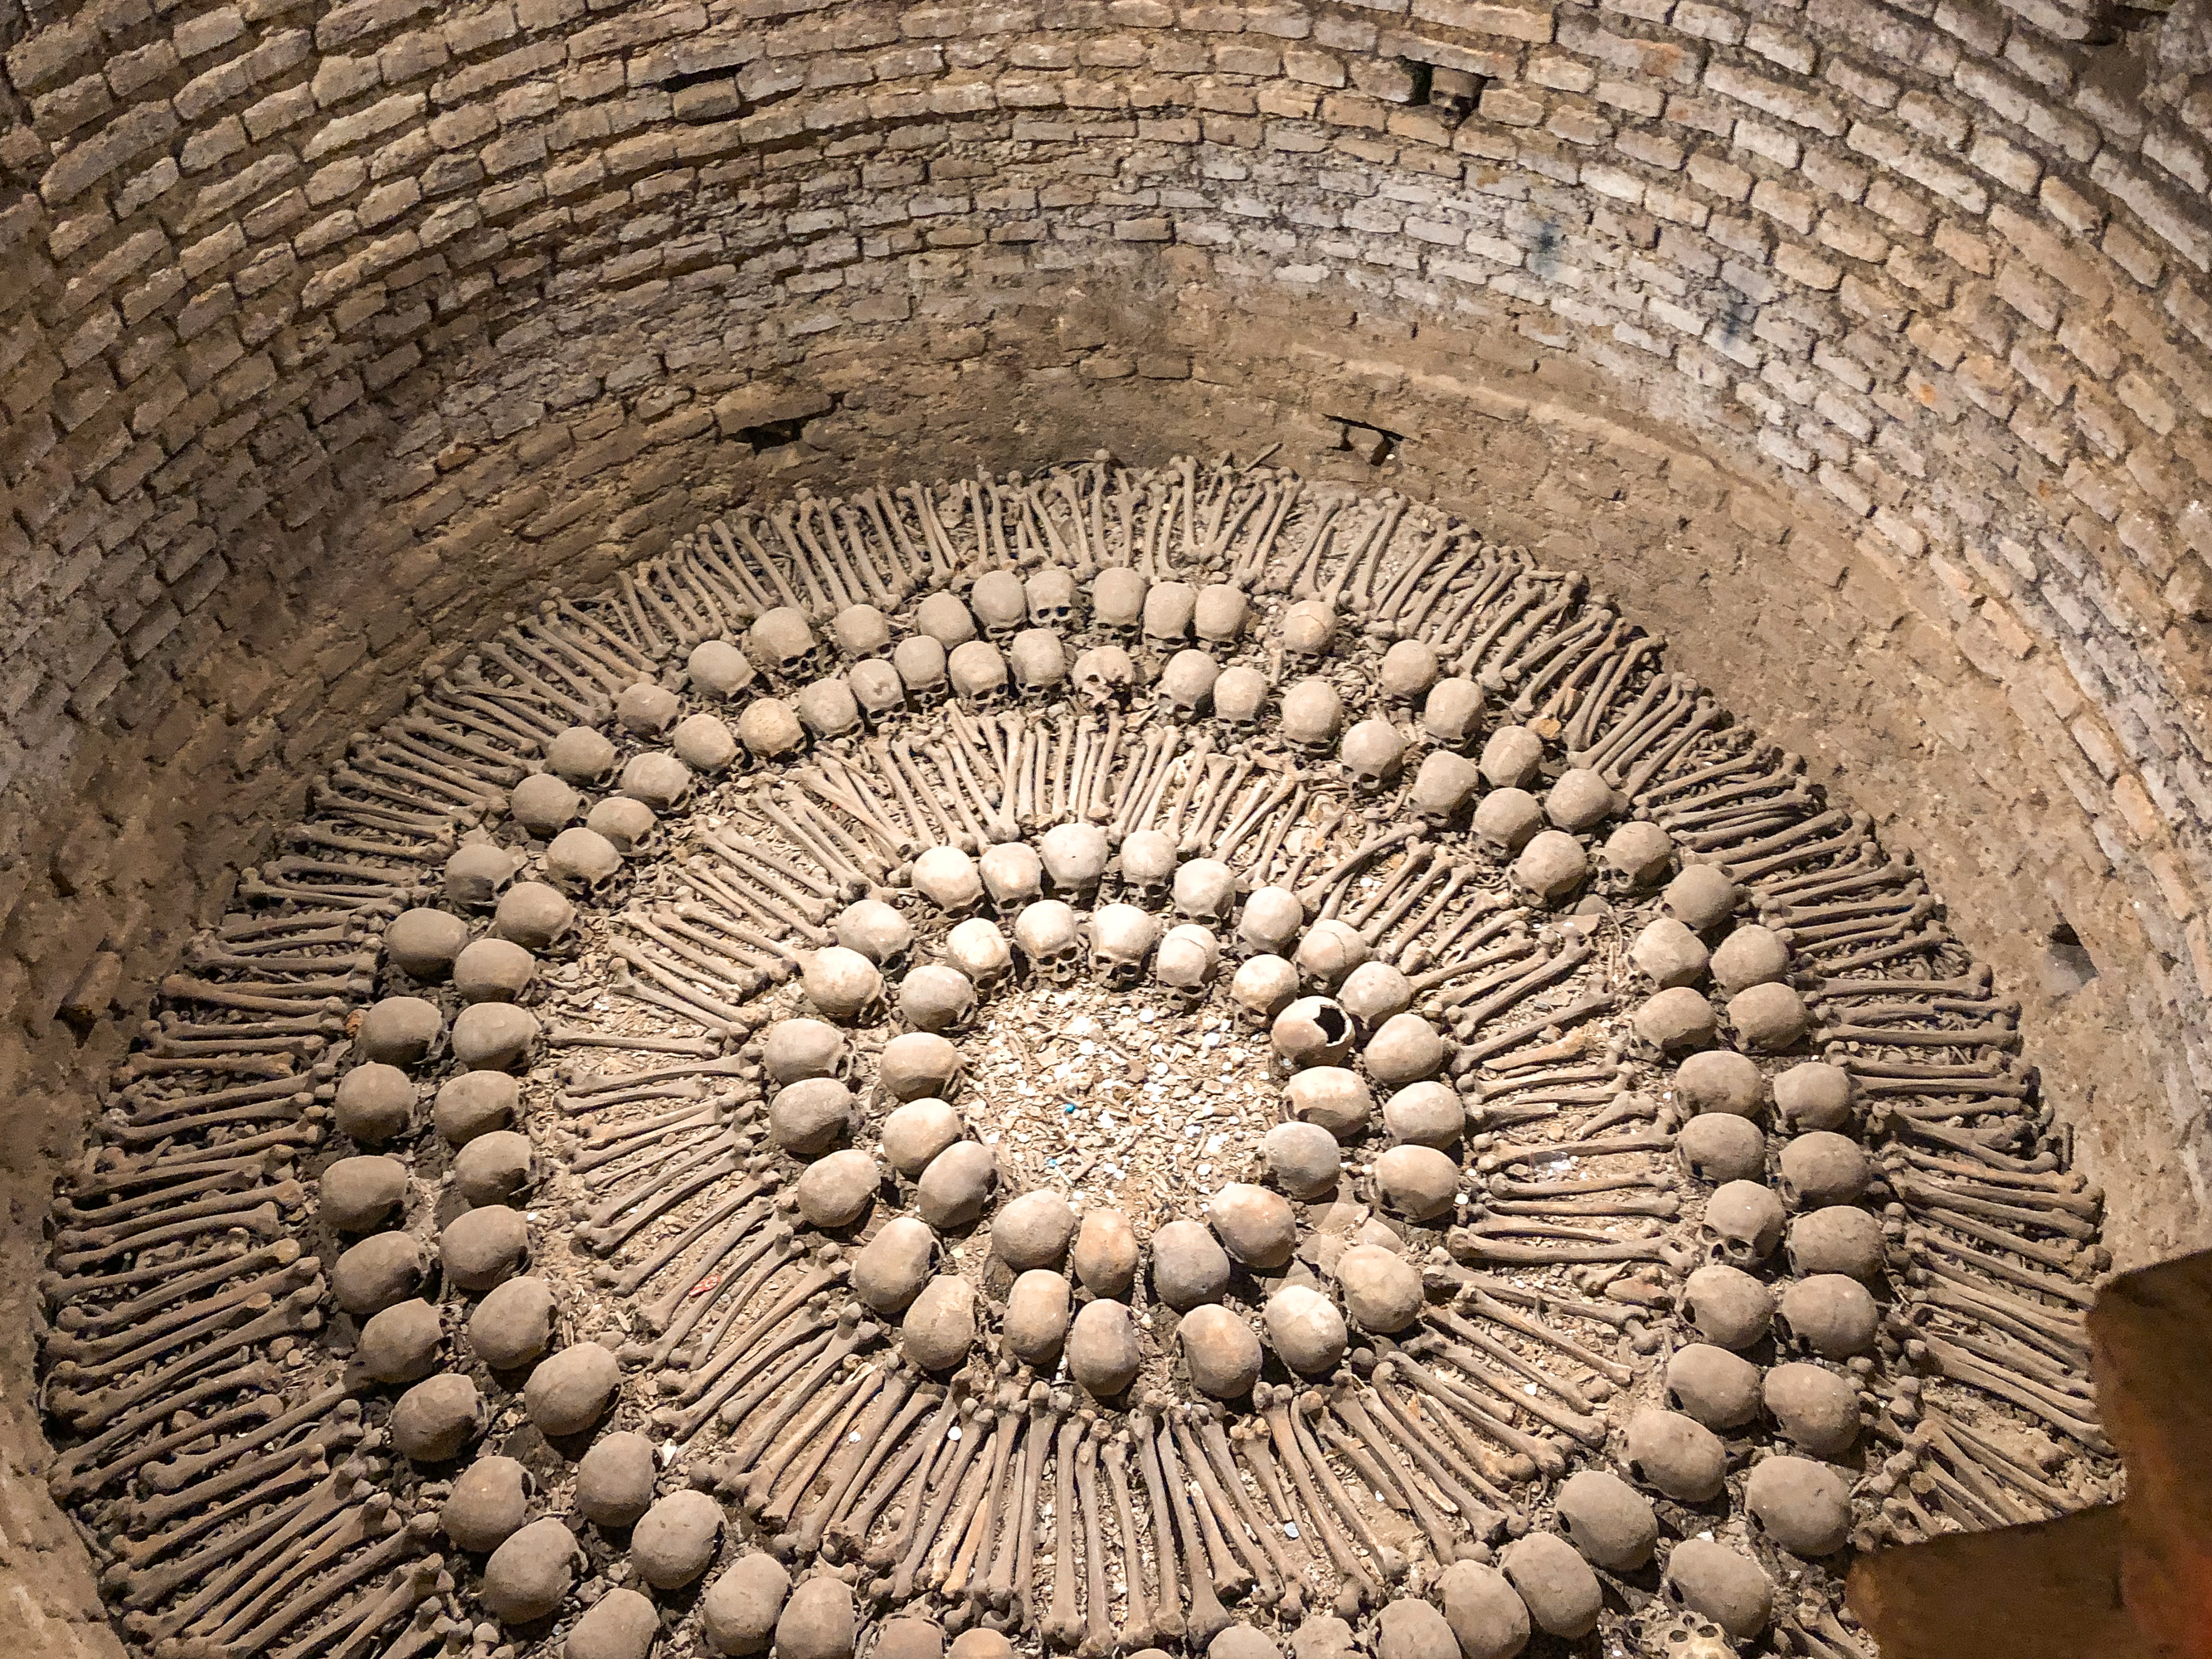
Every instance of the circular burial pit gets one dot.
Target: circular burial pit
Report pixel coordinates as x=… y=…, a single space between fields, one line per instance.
x=1091 y=1056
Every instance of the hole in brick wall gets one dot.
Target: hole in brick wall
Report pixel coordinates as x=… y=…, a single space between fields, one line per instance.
x=2066 y=963
x=1421 y=76
x=1736 y=319
x=1372 y=444
x=771 y=434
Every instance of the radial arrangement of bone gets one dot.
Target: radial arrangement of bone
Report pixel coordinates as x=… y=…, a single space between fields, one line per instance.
x=1103 y=1059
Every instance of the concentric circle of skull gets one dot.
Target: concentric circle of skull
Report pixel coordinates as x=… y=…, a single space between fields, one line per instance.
x=1442 y=1091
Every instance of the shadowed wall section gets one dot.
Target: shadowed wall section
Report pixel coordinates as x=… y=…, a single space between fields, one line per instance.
x=1866 y=350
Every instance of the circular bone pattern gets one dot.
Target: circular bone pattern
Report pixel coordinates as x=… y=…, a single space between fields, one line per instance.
x=1110 y=1059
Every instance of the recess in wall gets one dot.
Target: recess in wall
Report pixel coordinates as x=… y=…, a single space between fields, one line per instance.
x=2066 y=964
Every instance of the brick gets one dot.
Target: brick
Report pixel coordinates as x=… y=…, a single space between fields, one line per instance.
x=1515 y=23
x=1775 y=98
x=86 y=164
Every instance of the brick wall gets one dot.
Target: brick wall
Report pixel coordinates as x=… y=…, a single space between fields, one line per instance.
x=1867 y=349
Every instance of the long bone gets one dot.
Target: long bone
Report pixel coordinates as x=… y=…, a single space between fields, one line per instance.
x=807 y=1448
x=1560 y=685
x=738 y=973
x=1453 y=630
x=721 y=1353
x=1202 y=1558
x=1380 y=1471
x=763 y=592
x=1580 y=1418
x=1287 y=1590
x=976 y=1549
x=1461 y=1487
x=2061 y=1412
x=229 y=1175
x=2064 y=1189
x=1007 y=1584
x=2056 y=1376
x=1489 y=666
x=234 y=1564
x=82 y=1360
x=894 y=1409
x=707 y=1009
x=1097 y=1631
x=778 y=1353
x=737 y=1218
x=1543 y=659
x=1526 y=595
x=185 y=1482
x=1484 y=1419
x=925 y=1521
x=299 y=1466
x=1169 y=1618
x=293 y=1314
x=1224 y=1572
x=1139 y=1625
x=1273 y=813
x=1355 y=1588
x=1710 y=782
x=1232 y=1517
x=846 y=1532
x=75 y=1474
x=313 y=1584
x=1798 y=845
x=804 y=826
x=349 y=1634
x=1389 y=1564
x=963 y=815
x=253 y=1208
x=1062 y=1626
x=382 y=811
x=1921 y=1240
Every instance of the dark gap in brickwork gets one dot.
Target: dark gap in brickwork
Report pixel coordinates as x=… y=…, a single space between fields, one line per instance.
x=2067 y=966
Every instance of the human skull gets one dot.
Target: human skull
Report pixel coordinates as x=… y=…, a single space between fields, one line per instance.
x=936 y=998
x=647 y=708
x=1148 y=864
x=1240 y=697
x=1040 y=661
x=877 y=931
x=942 y=617
x=1104 y=675
x=1451 y=716
x=1409 y=669
x=1204 y=891
x=1187 y=959
x=1075 y=856
x=1308 y=630
x=780 y=642
x=1371 y=754
x=580 y=755
x=1122 y=936
x=1169 y=609
x=1000 y=603
x=1261 y=988
x=1271 y=920
x=581 y=860
x=843 y=986
x=978 y=672
x=1117 y=602
x=1443 y=786
x=1743 y=1223
x=1046 y=932
x=980 y=951
x=1187 y=681
x=1313 y=714
x=827 y=708
x=861 y=631
x=878 y=689
x=1218 y=617
x=477 y=870
x=719 y=666
x=768 y=728
x=794 y=1049
x=920 y=664
x=1052 y=598
x=631 y=826
x=948 y=879
x=1012 y=874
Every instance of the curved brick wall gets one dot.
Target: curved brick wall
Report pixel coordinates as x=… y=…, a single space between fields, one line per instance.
x=1867 y=349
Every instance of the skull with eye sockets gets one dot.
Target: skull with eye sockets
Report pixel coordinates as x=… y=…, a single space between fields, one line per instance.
x=1104 y=676
x=1000 y=603
x=980 y=951
x=1205 y=892
x=1148 y=865
x=978 y=672
x=1186 y=684
x=781 y=642
x=1012 y=874
x=861 y=631
x=1313 y=715
x=1048 y=937
x=1040 y=662
x=1051 y=593
x=1122 y=937
x=1117 y=603
x=1075 y=856
x=920 y=664
x=1240 y=699
x=1309 y=632
x=1370 y=755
